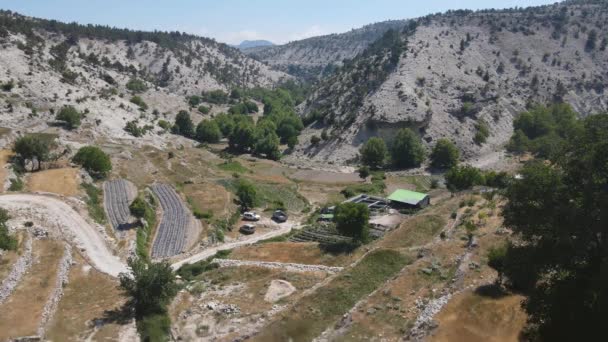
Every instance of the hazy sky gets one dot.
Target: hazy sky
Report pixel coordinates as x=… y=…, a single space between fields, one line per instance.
x=232 y=21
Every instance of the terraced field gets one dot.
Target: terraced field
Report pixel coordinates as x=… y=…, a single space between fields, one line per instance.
x=171 y=236
x=118 y=195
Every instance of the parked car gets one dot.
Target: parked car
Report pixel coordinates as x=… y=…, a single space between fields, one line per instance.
x=247 y=229
x=279 y=216
x=251 y=216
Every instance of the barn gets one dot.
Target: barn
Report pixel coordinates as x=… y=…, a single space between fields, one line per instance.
x=406 y=199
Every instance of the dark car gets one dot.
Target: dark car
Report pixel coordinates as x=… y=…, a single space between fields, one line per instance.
x=247 y=229
x=279 y=216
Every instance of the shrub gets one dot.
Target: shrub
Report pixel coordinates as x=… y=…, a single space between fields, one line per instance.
x=139 y=102
x=132 y=128
x=164 y=124
x=463 y=177
x=138 y=207
x=483 y=132
x=70 y=116
x=94 y=160
x=315 y=140
x=31 y=147
x=204 y=109
x=183 y=124
x=136 y=85
x=246 y=193
x=7 y=242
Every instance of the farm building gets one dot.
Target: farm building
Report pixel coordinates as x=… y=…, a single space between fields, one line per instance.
x=406 y=199
x=372 y=202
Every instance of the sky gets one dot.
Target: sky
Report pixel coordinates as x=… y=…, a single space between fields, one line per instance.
x=232 y=21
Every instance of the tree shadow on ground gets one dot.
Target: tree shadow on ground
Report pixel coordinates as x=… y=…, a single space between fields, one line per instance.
x=338 y=247
x=122 y=315
x=491 y=290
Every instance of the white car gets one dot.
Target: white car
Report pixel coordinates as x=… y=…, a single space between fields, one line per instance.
x=251 y=216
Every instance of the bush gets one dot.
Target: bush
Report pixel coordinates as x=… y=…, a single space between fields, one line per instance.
x=247 y=194
x=483 y=132
x=70 y=116
x=138 y=207
x=136 y=85
x=132 y=128
x=364 y=172
x=7 y=242
x=463 y=177
x=16 y=184
x=407 y=150
x=139 y=102
x=315 y=140
x=164 y=124
x=94 y=160
x=445 y=154
x=204 y=109
x=373 y=153
x=8 y=86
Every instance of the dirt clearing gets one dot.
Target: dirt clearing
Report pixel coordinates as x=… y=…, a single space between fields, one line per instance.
x=292 y=252
x=472 y=317
x=87 y=296
x=318 y=176
x=64 y=181
x=22 y=311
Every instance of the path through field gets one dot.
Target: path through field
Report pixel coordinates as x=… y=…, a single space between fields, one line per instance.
x=56 y=214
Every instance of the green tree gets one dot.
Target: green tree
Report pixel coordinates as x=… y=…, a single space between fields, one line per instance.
x=407 y=150
x=364 y=172
x=373 y=153
x=519 y=143
x=31 y=147
x=70 y=116
x=268 y=144
x=352 y=220
x=243 y=137
x=558 y=213
x=183 y=124
x=207 y=131
x=149 y=287
x=139 y=102
x=463 y=177
x=136 y=85
x=94 y=160
x=496 y=260
x=246 y=193
x=445 y=154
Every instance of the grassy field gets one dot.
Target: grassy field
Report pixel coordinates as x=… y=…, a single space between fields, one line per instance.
x=313 y=313
x=94 y=202
x=272 y=195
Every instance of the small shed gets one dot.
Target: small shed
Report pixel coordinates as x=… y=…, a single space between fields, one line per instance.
x=406 y=199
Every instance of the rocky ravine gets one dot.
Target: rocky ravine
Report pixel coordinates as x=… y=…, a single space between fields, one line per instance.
x=458 y=69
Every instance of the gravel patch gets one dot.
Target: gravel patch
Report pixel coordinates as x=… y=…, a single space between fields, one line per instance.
x=285 y=266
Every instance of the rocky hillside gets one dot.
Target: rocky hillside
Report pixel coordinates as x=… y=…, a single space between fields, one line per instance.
x=461 y=73
x=312 y=57
x=46 y=64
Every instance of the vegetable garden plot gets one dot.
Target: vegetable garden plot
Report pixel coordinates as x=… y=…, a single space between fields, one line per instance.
x=118 y=195
x=171 y=236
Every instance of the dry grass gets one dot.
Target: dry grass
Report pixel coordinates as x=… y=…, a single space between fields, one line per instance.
x=209 y=197
x=4 y=156
x=293 y=252
x=21 y=313
x=472 y=317
x=64 y=181
x=87 y=296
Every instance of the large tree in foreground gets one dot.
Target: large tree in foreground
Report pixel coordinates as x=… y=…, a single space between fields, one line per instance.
x=373 y=153
x=445 y=154
x=94 y=160
x=559 y=214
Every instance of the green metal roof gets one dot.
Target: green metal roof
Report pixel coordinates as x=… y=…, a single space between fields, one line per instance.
x=407 y=196
x=327 y=216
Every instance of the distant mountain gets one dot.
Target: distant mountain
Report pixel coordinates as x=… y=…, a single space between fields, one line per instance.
x=457 y=74
x=248 y=44
x=310 y=58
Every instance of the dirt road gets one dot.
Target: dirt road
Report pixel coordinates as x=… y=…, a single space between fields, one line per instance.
x=53 y=214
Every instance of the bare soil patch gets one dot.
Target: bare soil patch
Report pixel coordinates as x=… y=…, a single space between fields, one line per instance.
x=319 y=176
x=64 y=181
x=22 y=311
x=471 y=317
x=292 y=252
x=209 y=197
x=87 y=296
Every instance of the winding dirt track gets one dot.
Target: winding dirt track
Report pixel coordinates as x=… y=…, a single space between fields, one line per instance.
x=56 y=214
